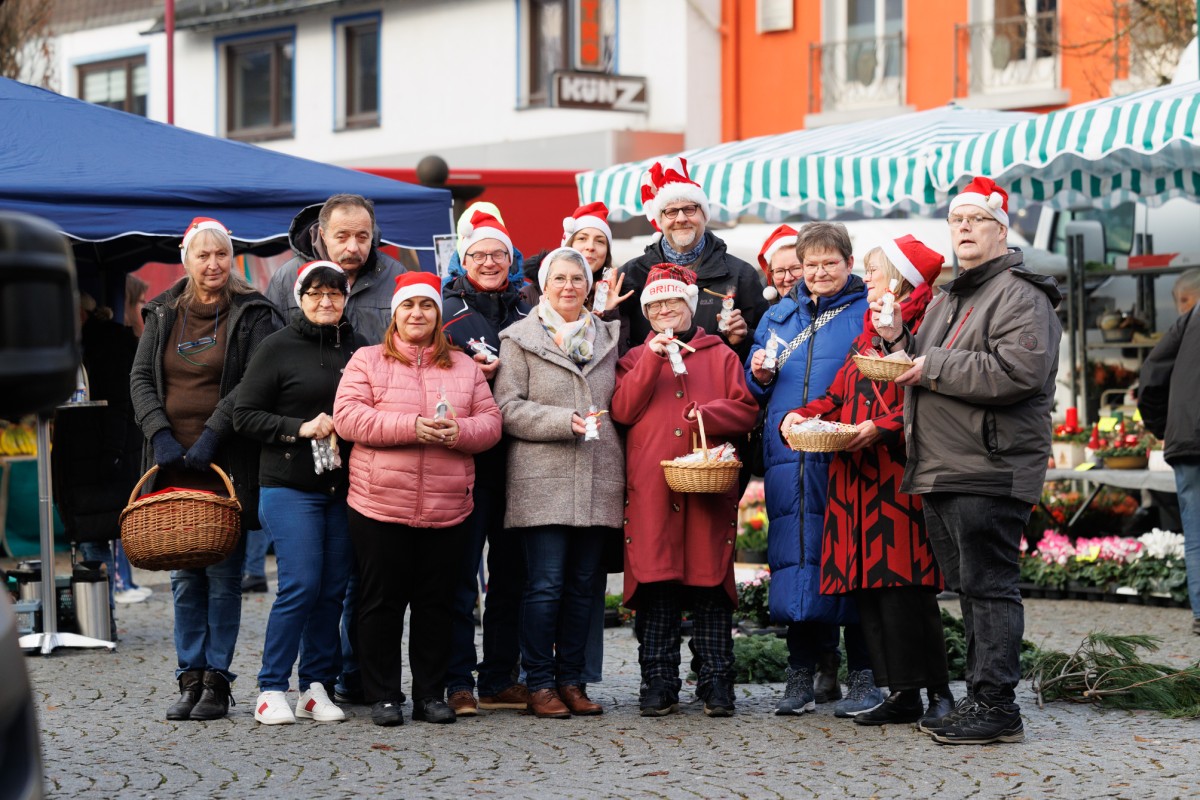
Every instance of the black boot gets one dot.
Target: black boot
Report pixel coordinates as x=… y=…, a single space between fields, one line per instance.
x=826 y=687
x=189 y=693
x=215 y=699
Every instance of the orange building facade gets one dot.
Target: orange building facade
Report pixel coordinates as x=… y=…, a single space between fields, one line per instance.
x=791 y=64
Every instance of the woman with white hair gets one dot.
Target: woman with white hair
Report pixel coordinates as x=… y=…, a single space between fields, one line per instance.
x=198 y=339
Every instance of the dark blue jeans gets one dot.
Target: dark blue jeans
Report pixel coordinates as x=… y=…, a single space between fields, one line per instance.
x=314 y=557
x=208 y=614
x=257 y=543
x=807 y=640
x=977 y=541
x=561 y=566
x=502 y=609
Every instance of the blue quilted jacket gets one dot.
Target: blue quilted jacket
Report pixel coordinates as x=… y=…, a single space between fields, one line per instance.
x=793 y=548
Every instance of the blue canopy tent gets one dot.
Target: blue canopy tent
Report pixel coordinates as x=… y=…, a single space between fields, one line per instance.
x=123 y=187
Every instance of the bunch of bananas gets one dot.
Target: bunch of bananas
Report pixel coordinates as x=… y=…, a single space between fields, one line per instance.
x=17 y=439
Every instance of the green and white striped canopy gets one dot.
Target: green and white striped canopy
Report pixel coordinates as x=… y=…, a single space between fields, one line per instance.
x=872 y=168
x=1141 y=146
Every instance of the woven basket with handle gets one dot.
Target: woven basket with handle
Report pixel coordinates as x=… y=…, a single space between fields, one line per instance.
x=181 y=529
x=822 y=441
x=701 y=477
x=880 y=369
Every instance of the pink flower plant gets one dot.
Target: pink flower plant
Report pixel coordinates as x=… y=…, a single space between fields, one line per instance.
x=1054 y=548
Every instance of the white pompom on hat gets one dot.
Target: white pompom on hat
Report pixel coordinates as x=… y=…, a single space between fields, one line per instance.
x=667 y=281
x=304 y=269
x=666 y=182
x=783 y=236
x=482 y=225
x=984 y=193
x=916 y=262
x=417 y=284
x=568 y=253
x=202 y=224
x=592 y=215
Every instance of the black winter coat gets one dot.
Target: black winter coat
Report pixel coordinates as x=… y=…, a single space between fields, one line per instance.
x=252 y=319
x=1170 y=384
x=292 y=378
x=716 y=270
x=468 y=313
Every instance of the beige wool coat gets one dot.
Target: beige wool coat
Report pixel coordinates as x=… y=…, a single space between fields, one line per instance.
x=554 y=477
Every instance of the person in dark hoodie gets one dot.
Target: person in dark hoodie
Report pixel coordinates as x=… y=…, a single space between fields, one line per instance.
x=678 y=207
x=477 y=305
x=286 y=403
x=342 y=230
x=977 y=423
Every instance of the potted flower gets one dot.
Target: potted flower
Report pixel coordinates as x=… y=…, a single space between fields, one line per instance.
x=752 y=539
x=753 y=608
x=1067 y=445
x=1126 y=451
x=615 y=614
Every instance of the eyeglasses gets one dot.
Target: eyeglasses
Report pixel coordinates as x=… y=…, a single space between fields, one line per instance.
x=199 y=345
x=795 y=272
x=498 y=256
x=687 y=211
x=827 y=266
x=664 y=305
x=577 y=281
x=333 y=297
x=978 y=219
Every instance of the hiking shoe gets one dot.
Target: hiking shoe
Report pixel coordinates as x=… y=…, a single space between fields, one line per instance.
x=515 y=697
x=314 y=703
x=462 y=703
x=939 y=706
x=798 y=694
x=862 y=695
x=718 y=700
x=271 y=708
x=658 y=699
x=929 y=724
x=899 y=708
x=387 y=713
x=983 y=724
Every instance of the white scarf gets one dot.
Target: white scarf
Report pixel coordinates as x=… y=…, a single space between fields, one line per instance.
x=576 y=338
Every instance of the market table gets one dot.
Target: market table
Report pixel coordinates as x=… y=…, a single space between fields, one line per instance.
x=1136 y=479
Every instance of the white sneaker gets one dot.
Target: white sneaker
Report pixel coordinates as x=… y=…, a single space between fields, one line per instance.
x=271 y=708
x=144 y=591
x=315 y=704
x=129 y=596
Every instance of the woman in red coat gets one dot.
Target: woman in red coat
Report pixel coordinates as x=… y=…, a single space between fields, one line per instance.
x=875 y=546
x=679 y=547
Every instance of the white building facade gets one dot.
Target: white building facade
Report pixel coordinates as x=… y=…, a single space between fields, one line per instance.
x=486 y=84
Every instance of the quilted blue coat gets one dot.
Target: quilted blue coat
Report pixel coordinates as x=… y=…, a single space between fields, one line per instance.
x=796 y=483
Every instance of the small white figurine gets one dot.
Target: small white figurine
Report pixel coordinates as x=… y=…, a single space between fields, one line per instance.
x=591 y=425
x=442 y=409
x=771 y=362
x=600 y=302
x=888 y=304
x=673 y=354
x=481 y=345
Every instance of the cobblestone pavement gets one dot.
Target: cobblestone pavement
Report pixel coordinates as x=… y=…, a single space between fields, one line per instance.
x=105 y=735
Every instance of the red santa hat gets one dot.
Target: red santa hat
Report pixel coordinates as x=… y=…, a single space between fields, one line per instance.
x=666 y=182
x=202 y=224
x=984 y=192
x=667 y=281
x=916 y=262
x=483 y=225
x=417 y=284
x=593 y=215
x=783 y=236
x=303 y=271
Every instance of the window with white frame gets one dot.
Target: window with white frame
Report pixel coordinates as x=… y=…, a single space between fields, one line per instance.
x=861 y=57
x=121 y=83
x=560 y=35
x=259 y=94
x=358 y=72
x=1021 y=38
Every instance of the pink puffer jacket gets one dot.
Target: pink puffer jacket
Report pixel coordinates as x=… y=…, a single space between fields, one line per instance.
x=392 y=478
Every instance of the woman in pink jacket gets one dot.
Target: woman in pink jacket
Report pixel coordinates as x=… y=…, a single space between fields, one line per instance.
x=417 y=411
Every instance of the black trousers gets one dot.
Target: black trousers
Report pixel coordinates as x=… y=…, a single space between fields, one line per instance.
x=400 y=568
x=902 y=627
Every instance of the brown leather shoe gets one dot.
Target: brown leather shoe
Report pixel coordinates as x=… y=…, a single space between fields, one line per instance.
x=463 y=703
x=576 y=699
x=547 y=704
x=515 y=697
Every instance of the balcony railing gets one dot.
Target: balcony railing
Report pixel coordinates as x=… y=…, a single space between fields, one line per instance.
x=856 y=73
x=1006 y=55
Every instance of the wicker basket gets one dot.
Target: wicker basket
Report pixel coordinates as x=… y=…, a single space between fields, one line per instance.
x=180 y=529
x=880 y=369
x=702 y=477
x=822 y=441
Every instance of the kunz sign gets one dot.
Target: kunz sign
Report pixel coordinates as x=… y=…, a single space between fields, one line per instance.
x=600 y=92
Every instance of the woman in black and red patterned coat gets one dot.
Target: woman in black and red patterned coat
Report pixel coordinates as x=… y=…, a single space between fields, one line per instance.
x=874 y=545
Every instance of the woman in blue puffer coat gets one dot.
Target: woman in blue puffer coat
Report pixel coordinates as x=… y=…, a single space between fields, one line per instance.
x=818 y=321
